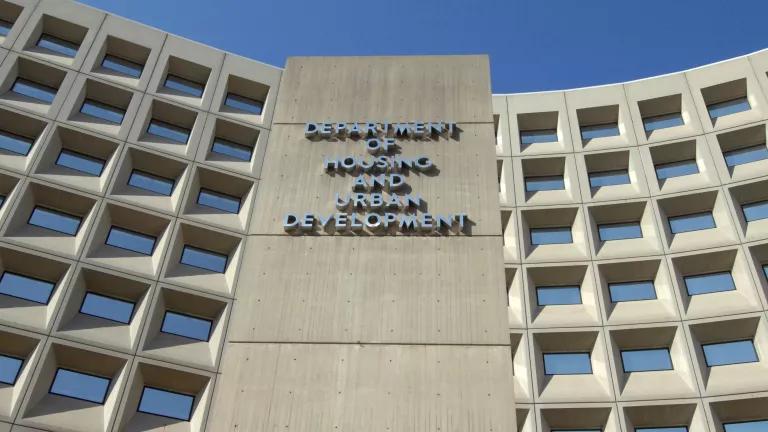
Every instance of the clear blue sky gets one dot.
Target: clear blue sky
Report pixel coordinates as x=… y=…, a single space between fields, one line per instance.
x=533 y=44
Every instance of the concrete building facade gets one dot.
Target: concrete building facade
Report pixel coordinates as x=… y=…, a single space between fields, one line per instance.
x=195 y=241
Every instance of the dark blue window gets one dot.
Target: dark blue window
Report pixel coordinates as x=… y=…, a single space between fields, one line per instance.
x=663 y=429
x=709 y=283
x=676 y=169
x=58 y=45
x=747 y=426
x=186 y=326
x=151 y=182
x=727 y=353
x=538 y=136
x=166 y=403
x=80 y=162
x=5 y=27
x=204 y=259
x=765 y=270
x=15 y=143
x=25 y=287
x=558 y=295
x=131 y=240
x=55 y=220
x=691 y=222
x=234 y=150
x=102 y=111
x=106 y=307
x=755 y=211
x=9 y=369
x=182 y=85
x=544 y=183
x=608 y=178
x=2 y=200
x=643 y=360
x=543 y=236
x=122 y=66
x=34 y=90
x=78 y=385
x=244 y=104
x=631 y=291
x=619 y=231
x=567 y=364
x=746 y=155
x=168 y=131
x=220 y=201
x=599 y=131
x=729 y=107
x=662 y=122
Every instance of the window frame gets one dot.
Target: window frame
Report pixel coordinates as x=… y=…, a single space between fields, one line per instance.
x=669 y=354
x=724 y=424
x=751 y=341
x=675 y=163
x=545 y=287
x=623 y=171
x=729 y=272
x=111 y=227
x=121 y=59
x=44 y=208
x=50 y=294
x=531 y=230
x=661 y=117
x=34 y=84
x=725 y=102
x=752 y=204
x=167 y=125
x=191 y=406
x=186 y=315
x=224 y=195
x=84 y=156
x=225 y=142
x=207 y=251
x=614 y=224
x=30 y=141
x=58 y=41
x=186 y=83
x=108 y=107
x=599 y=126
x=678 y=217
x=610 y=292
x=746 y=149
x=237 y=96
x=153 y=176
x=106 y=391
x=587 y=353
x=18 y=371
x=535 y=131
x=82 y=304
x=560 y=177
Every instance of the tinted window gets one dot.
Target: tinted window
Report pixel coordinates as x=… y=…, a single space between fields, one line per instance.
x=34 y=90
x=755 y=211
x=55 y=220
x=543 y=236
x=151 y=182
x=567 y=364
x=81 y=386
x=662 y=122
x=749 y=426
x=80 y=162
x=243 y=103
x=25 y=287
x=726 y=353
x=691 y=222
x=168 y=131
x=174 y=82
x=9 y=369
x=746 y=155
x=709 y=283
x=632 y=291
x=599 y=131
x=619 y=231
x=102 y=111
x=57 y=45
x=733 y=106
x=234 y=150
x=538 y=136
x=187 y=326
x=608 y=178
x=166 y=404
x=130 y=240
x=646 y=360
x=224 y=202
x=122 y=66
x=107 y=307
x=15 y=143
x=663 y=429
x=203 y=259
x=558 y=295
x=5 y=27
x=544 y=183
x=676 y=169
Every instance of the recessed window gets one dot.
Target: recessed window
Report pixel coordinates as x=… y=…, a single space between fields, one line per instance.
x=733 y=106
x=709 y=283
x=151 y=182
x=631 y=291
x=34 y=90
x=544 y=183
x=567 y=364
x=131 y=240
x=747 y=426
x=244 y=104
x=662 y=121
x=619 y=231
x=599 y=131
x=15 y=143
x=180 y=84
x=166 y=403
x=2 y=200
x=25 y=287
x=122 y=66
x=663 y=429
x=58 y=45
x=55 y=220
x=676 y=169
x=728 y=353
x=691 y=222
x=220 y=201
x=746 y=155
x=168 y=131
x=755 y=211
x=103 y=111
x=203 y=259
x=186 y=326
x=5 y=27
x=80 y=162
x=79 y=385
x=576 y=430
x=9 y=369
x=109 y=308
x=234 y=150
x=558 y=295
x=528 y=137
x=544 y=236
x=646 y=360
x=608 y=178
